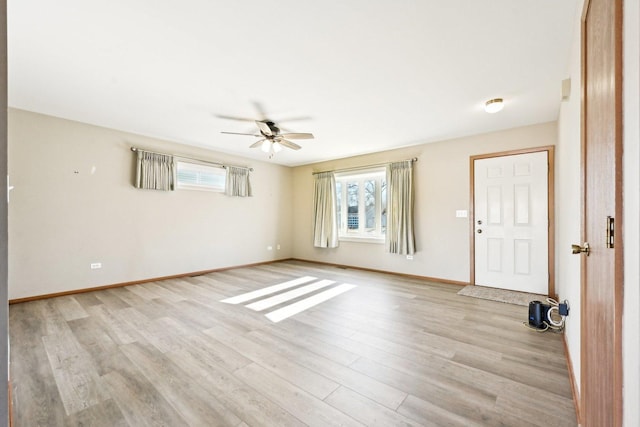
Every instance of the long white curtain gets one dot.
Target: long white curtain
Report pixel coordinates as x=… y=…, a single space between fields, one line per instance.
x=325 y=220
x=400 y=236
x=155 y=171
x=238 y=183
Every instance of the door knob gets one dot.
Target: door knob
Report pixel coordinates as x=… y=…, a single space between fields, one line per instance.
x=577 y=249
x=479 y=230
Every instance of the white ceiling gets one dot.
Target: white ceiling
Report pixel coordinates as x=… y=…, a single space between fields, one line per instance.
x=371 y=75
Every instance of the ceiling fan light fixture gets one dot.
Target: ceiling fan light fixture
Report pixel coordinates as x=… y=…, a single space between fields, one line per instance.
x=494 y=105
x=271 y=140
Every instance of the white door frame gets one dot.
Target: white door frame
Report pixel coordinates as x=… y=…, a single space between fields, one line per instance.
x=550 y=211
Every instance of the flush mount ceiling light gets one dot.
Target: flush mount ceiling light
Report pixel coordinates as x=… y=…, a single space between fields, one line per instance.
x=494 y=105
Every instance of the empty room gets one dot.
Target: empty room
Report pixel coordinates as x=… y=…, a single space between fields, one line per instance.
x=260 y=213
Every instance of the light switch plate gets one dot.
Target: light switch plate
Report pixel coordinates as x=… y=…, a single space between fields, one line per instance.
x=461 y=214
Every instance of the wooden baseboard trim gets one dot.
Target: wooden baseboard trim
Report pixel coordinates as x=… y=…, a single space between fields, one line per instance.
x=138 y=282
x=373 y=270
x=572 y=380
x=200 y=273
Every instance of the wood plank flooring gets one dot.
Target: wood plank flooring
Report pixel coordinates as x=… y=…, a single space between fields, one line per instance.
x=391 y=351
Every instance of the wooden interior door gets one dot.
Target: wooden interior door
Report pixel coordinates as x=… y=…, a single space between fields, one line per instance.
x=601 y=339
x=511 y=222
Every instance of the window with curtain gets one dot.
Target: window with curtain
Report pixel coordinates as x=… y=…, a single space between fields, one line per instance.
x=325 y=224
x=400 y=234
x=155 y=171
x=238 y=182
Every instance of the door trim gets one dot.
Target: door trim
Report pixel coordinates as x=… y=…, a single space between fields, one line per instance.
x=550 y=210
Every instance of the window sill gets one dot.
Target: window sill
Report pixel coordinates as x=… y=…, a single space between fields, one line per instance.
x=200 y=188
x=355 y=239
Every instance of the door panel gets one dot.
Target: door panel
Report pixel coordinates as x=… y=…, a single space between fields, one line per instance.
x=522 y=256
x=601 y=361
x=522 y=203
x=511 y=217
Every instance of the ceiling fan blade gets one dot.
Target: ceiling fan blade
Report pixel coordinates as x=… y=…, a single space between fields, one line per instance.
x=260 y=110
x=242 y=119
x=288 y=144
x=294 y=119
x=258 y=143
x=264 y=128
x=238 y=133
x=297 y=135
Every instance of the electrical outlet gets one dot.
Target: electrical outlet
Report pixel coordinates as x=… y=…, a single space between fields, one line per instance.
x=96 y=265
x=410 y=257
x=278 y=246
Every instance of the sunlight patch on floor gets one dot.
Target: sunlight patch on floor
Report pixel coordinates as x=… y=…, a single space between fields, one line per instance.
x=275 y=296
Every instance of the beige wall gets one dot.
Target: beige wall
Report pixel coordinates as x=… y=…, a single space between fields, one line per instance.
x=74 y=204
x=442 y=187
x=61 y=221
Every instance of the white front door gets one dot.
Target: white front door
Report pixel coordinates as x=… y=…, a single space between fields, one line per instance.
x=511 y=222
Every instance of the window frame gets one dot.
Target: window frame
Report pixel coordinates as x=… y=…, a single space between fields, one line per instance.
x=204 y=168
x=377 y=174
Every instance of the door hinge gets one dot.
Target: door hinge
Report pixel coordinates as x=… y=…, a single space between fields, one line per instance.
x=610 y=231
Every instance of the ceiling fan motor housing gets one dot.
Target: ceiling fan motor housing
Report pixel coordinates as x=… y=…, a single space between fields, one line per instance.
x=274 y=129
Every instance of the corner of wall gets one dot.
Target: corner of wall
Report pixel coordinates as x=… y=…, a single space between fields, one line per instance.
x=568 y=205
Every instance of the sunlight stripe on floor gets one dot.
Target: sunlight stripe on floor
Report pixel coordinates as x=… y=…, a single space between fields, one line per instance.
x=267 y=291
x=287 y=296
x=300 y=306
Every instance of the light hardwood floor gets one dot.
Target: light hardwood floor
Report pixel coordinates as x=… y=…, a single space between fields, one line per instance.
x=392 y=351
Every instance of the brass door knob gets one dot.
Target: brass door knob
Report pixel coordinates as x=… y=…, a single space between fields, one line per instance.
x=577 y=249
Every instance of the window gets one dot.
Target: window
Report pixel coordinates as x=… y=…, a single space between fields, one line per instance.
x=199 y=176
x=362 y=204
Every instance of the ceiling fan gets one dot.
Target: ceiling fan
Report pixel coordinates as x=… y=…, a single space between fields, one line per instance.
x=272 y=139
